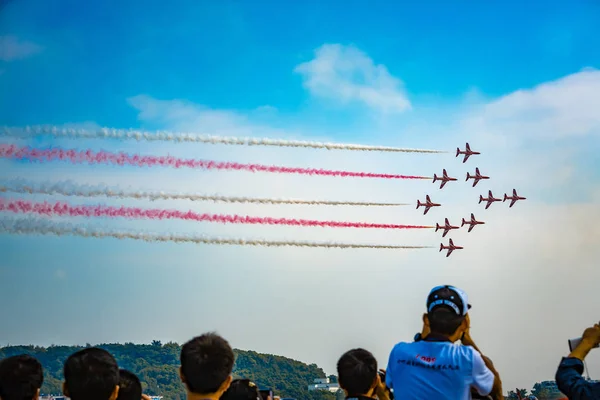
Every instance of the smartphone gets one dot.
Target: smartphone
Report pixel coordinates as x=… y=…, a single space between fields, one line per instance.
x=266 y=394
x=575 y=342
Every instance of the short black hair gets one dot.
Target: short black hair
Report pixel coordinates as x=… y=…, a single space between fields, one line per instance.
x=444 y=321
x=241 y=389
x=206 y=362
x=20 y=377
x=130 y=387
x=91 y=374
x=357 y=370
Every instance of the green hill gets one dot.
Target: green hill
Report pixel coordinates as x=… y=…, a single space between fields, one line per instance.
x=157 y=366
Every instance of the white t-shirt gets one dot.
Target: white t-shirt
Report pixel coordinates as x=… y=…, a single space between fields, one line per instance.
x=437 y=370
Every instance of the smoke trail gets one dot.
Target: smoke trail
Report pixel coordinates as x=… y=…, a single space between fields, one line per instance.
x=65 y=209
x=73 y=189
x=105 y=157
x=39 y=226
x=131 y=134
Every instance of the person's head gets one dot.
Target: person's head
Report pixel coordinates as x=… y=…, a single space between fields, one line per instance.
x=91 y=374
x=206 y=365
x=241 y=389
x=357 y=373
x=447 y=308
x=21 y=378
x=130 y=387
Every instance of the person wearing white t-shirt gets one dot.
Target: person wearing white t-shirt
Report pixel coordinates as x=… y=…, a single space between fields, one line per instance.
x=434 y=366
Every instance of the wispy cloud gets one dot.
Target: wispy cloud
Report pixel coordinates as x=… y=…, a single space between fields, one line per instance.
x=12 y=48
x=347 y=74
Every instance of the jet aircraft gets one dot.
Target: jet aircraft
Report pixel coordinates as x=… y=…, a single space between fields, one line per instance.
x=513 y=198
x=447 y=227
x=468 y=152
x=445 y=178
x=428 y=204
x=477 y=177
x=471 y=223
x=451 y=247
x=490 y=199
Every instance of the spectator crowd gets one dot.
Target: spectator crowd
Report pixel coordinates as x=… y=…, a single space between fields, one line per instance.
x=442 y=362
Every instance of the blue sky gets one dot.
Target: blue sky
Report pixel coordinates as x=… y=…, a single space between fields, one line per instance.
x=520 y=82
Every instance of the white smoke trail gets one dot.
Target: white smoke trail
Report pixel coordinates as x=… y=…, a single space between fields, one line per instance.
x=46 y=227
x=131 y=134
x=67 y=188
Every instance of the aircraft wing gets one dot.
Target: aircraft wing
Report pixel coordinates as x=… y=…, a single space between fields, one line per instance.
x=449 y=252
x=426 y=210
x=471 y=227
x=512 y=203
x=466 y=158
x=488 y=204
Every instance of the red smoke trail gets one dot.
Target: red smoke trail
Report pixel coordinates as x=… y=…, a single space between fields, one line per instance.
x=65 y=209
x=104 y=157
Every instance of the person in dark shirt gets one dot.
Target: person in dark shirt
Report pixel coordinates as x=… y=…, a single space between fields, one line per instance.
x=568 y=376
x=359 y=378
x=241 y=389
x=130 y=387
x=21 y=378
x=91 y=374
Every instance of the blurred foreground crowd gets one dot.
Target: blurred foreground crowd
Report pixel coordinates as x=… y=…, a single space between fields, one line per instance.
x=442 y=362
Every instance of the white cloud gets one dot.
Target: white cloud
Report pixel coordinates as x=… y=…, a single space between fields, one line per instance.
x=346 y=74
x=12 y=48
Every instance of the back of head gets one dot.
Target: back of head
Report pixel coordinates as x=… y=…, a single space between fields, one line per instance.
x=20 y=378
x=447 y=307
x=91 y=374
x=130 y=387
x=206 y=363
x=357 y=371
x=241 y=389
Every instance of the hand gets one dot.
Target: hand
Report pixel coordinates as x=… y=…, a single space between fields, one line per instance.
x=381 y=389
x=591 y=336
x=145 y=397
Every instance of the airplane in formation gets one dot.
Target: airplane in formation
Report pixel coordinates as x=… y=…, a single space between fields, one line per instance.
x=468 y=152
x=445 y=178
x=451 y=247
x=428 y=204
x=477 y=177
x=513 y=198
x=490 y=199
x=447 y=227
x=471 y=223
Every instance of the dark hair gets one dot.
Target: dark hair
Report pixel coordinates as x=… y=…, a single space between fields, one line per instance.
x=206 y=362
x=91 y=374
x=20 y=377
x=241 y=389
x=444 y=321
x=130 y=387
x=357 y=370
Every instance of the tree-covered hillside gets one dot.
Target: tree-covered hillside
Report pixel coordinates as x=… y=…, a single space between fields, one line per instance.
x=157 y=366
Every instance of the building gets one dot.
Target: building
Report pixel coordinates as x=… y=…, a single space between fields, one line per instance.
x=324 y=384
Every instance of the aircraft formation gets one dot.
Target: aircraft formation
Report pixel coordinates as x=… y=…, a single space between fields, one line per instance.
x=472 y=222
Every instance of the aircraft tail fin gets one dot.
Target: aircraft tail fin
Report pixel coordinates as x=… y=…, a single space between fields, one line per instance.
x=468 y=176
x=457 y=151
x=480 y=199
x=435 y=177
x=437 y=227
x=505 y=197
x=441 y=246
x=463 y=223
x=419 y=204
